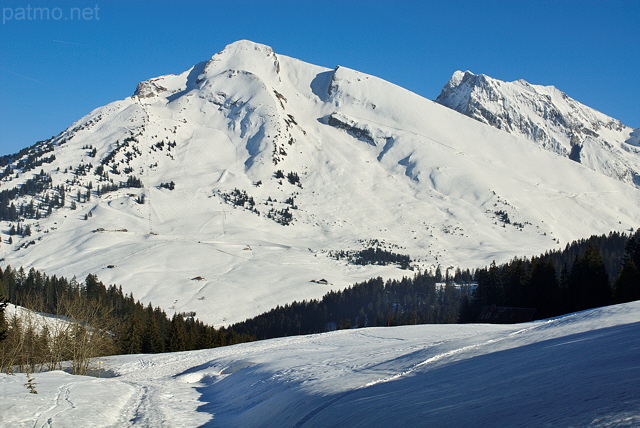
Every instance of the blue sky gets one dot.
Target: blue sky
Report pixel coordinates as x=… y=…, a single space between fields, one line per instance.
x=53 y=71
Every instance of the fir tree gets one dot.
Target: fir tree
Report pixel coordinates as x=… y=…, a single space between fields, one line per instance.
x=627 y=284
x=544 y=288
x=152 y=341
x=3 y=320
x=177 y=334
x=588 y=282
x=490 y=290
x=131 y=339
x=466 y=313
x=31 y=384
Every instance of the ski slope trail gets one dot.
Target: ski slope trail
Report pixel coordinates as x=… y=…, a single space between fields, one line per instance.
x=582 y=369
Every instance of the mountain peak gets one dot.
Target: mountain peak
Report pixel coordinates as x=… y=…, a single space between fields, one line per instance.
x=548 y=117
x=242 y=56
x=458 y=76
x=241 y=46
x=245 y=56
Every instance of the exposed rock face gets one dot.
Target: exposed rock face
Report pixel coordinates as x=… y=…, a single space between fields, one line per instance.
x=550 y=118
x=149 y=88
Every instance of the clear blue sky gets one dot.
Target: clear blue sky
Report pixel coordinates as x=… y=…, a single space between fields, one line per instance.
x=53 y=71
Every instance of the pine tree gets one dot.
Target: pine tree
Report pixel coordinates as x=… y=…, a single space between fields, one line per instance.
x=31 y=384
x=588 y=282
x=3 y=320
x=177 y=334
x=544 y=288
x=627 y=284
x=490 y=289
x=131 y=339
x=152 y=342
x=466 y=314
x=516 y=288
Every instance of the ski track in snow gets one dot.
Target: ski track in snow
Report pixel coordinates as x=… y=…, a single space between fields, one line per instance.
x=581 y=369
x=61 y=404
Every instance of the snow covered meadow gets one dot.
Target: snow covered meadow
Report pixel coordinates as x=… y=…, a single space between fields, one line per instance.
x=581 y=369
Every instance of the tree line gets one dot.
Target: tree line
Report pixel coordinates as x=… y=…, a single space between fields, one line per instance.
x=101 y=320
x=419 y=299
x=373 y=256
x=98 y=320
x=592 y=272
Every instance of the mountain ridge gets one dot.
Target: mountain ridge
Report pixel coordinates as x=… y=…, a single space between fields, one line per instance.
x=549 y=117
x=227 y=189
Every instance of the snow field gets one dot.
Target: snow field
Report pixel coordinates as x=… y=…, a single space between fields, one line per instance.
x=576 y=370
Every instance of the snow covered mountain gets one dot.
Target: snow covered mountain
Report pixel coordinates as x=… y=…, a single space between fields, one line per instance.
x=577 y=370
x=549 y=117
x=237 y=186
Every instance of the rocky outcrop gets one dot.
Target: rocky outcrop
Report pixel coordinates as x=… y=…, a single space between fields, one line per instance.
x=548 y=117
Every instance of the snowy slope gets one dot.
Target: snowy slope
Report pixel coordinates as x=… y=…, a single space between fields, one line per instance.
x=550 y=118
x=36 y=320
x=577 y=370
x=377 y=165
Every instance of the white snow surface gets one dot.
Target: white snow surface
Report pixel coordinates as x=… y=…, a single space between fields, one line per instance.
x=549 y=117
x=582 y=369
x=375 y=161
x=37 y=320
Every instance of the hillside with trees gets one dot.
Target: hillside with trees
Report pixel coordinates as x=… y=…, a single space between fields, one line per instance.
x=98 y=320
x=102 y=320
x=421 y=299
x=592 y=272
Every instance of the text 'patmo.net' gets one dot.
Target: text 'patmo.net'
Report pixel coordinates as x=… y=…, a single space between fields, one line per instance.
x=28 y=13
